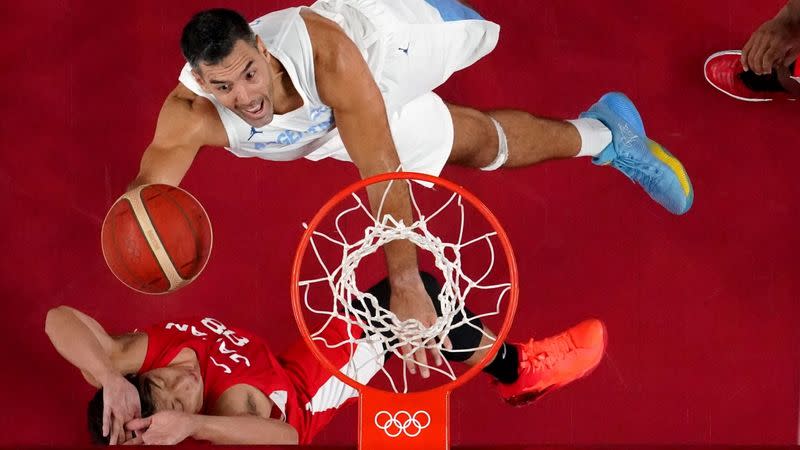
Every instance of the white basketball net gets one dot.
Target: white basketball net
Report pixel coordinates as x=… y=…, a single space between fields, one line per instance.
x=384 y=331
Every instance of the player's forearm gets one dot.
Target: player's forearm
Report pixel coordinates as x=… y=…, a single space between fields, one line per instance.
x=401 y=255
x=243 y=430
x=165 y=163
x=78 y=344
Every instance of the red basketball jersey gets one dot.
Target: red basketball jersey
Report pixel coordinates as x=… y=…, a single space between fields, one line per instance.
x=227 y=356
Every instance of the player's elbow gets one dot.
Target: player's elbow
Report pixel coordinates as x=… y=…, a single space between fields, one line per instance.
x=292 y=437
x=52 y=318
x=287 y=435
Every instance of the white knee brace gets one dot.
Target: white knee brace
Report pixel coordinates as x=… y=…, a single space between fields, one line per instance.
x=502 y=148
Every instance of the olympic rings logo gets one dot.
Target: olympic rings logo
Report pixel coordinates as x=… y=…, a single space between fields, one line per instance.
x=402 y=422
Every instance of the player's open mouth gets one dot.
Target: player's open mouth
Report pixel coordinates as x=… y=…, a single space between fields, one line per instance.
x=256 y=112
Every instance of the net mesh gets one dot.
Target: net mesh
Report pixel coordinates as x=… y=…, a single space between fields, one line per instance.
x=382 y=329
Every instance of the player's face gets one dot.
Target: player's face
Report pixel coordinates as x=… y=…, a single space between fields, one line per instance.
x=242 y=82
x=176 y=388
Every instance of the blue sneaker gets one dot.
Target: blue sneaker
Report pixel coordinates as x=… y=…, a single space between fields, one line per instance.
x=642 y=160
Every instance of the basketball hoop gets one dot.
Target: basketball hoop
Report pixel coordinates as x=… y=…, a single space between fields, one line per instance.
x=480 y=286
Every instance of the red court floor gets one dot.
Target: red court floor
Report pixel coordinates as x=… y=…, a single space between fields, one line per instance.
x=701 y=310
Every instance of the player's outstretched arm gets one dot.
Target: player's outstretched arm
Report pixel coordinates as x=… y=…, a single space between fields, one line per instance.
x=776 y=42
x=103 y=360
x=345 y=83
x=172 y=427
x=186 y=123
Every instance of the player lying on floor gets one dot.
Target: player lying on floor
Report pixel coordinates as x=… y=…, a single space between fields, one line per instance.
x=202 y=379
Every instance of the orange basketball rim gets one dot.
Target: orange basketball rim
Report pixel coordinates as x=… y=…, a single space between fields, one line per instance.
x=408 y=420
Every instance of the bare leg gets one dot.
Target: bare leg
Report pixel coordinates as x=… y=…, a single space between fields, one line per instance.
x=530 y=139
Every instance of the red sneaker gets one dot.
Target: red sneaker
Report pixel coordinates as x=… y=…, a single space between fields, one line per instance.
x=553 y=362
x=723 y=70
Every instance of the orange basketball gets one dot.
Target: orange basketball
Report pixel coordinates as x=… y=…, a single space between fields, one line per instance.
x=156 y=238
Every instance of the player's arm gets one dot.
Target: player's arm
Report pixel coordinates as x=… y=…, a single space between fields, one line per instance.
x=186 y=123
x=172 y=427
x=103 y=360
x=238 y=418
x=345 y=83
x=243 y=430
x=83 y=342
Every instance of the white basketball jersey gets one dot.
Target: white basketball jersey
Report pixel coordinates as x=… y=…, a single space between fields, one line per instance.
x=409 y=49
x=292 y=135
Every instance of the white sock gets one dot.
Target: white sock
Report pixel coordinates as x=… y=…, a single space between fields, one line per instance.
x=594 y=136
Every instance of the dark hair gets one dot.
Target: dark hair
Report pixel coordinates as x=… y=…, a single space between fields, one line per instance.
x=211 y=35
x=94 y=412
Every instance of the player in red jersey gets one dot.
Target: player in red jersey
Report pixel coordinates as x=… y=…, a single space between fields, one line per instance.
x=201 y=378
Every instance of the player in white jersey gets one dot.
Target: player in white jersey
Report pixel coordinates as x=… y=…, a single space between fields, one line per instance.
x=352 y=80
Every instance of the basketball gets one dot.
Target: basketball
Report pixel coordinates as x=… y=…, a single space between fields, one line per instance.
x=156 y=238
